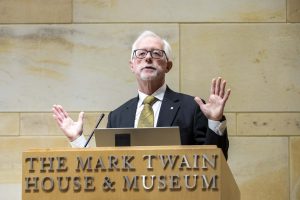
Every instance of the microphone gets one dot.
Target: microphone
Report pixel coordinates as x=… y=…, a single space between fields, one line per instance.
x=91 y=135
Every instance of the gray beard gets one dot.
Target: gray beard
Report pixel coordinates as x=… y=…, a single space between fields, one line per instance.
x=147 y=77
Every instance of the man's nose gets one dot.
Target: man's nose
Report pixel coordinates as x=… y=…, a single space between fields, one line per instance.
x=148 y=55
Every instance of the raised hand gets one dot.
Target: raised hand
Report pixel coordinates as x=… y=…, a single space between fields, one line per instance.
x=70 y=128
x=214 y=107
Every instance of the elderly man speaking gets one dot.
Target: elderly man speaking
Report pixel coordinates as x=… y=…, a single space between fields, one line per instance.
x=156 y=105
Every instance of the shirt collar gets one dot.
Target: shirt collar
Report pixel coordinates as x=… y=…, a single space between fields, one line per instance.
x=159 y=94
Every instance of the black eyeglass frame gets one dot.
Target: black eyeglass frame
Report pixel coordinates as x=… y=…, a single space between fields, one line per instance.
x=134 y=53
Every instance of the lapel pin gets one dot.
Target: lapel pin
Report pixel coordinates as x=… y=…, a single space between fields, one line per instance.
x=171 y=108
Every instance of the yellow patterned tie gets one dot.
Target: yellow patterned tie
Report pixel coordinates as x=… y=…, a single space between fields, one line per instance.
x=147 y=115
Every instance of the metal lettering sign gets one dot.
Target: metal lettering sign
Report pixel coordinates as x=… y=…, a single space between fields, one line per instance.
x=122 y=172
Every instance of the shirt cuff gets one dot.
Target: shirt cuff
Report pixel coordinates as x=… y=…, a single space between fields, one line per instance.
x=79 y=142
x=217 y=126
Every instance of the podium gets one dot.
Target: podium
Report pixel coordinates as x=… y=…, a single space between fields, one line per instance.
x=135 y=173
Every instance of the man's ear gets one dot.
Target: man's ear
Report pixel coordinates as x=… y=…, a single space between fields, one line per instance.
x=169 y=66
x=131 y=65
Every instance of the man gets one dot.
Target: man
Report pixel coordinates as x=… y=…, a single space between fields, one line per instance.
x=199 y=123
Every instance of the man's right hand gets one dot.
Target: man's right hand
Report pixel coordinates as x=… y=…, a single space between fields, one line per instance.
x=71 y=129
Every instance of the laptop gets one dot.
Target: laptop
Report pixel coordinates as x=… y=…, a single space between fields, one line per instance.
x=158 y=136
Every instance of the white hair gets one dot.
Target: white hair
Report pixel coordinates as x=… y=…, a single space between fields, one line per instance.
x=145 y=34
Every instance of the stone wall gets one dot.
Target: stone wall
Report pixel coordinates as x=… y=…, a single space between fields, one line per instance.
x=76 y=53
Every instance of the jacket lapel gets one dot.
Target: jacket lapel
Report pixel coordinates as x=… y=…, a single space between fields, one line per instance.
x=128 y=114
x=169 y=108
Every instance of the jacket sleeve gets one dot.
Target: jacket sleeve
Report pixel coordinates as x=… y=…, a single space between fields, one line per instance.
x=205 y=136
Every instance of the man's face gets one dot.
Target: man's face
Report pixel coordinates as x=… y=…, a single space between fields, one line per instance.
x=149 y=68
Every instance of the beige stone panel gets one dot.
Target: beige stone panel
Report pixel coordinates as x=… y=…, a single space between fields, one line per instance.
x=11 y=191
x=39 y=124
x=10 y=123
x=36 y=11
x=260 y=166
x=43 y=124
x=82 y=67
x=11 y=153
x=259 y=61
x=293 y=10
x=179 y=11
x=231 y=123
x=295 y=167
x=268 y=124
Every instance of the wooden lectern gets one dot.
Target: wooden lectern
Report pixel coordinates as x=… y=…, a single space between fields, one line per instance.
x=135 y=173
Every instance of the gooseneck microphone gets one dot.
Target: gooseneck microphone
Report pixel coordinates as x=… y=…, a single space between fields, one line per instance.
x=91 y=135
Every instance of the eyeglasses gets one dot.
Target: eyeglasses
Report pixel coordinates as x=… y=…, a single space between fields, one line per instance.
x=155 y=53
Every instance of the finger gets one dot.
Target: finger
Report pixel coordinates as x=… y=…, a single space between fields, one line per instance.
x=201 y=104
x=80 y=117
x=63 y=112
x=58 y=112
x=217 y=90
x=213 y=86
x=226 y=95
x=56 y=108
x=199 y=101
x=222 y=88
x=58 y=121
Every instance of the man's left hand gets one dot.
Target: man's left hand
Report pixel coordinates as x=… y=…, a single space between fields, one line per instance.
x=214 y=107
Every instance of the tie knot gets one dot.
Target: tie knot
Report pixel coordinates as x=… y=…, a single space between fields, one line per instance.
x=150 y=100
